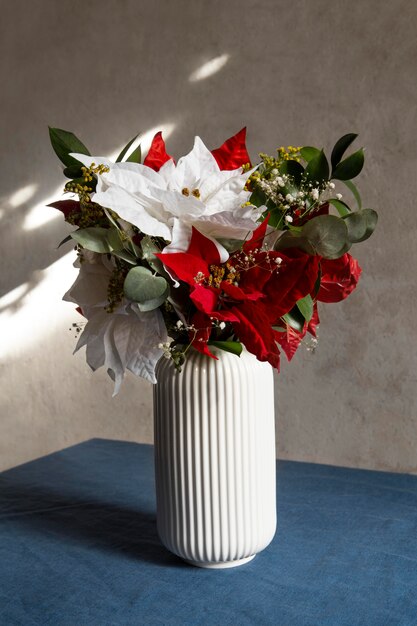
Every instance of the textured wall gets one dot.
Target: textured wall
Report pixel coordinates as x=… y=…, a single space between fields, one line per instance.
x=302 y=73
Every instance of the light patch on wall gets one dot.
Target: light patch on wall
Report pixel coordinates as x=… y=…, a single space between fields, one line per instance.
x=22 y=195
x=145 y=139
x=40 y=309
x=13 y=296
x=209 y=68
x=42 y=214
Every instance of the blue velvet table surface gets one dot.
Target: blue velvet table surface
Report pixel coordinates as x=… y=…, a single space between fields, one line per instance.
x=78 y=546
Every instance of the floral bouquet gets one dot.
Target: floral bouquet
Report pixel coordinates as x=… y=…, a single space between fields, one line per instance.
x=210 y=250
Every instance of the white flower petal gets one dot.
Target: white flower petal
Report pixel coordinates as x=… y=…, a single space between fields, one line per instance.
x=196 y=165
x=135 y=209
x=121 y=341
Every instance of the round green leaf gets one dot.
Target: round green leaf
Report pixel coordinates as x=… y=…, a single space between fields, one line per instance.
x=328 y=235
x=143 y=287
x=361 y=224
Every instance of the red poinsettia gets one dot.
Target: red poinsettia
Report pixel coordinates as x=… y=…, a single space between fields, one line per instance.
x=339 y=278
x=252 y=290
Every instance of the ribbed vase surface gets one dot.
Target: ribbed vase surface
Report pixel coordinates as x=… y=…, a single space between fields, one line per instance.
x=215 y=458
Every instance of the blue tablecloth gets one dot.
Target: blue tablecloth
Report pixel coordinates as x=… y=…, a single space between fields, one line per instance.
x=78 y=546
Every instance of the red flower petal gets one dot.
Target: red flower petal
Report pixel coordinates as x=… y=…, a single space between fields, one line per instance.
x=157 y=154
x=314 y=322
x=185 y=266
x=233 y=153
x=205 y=298
x=255 y=332
x=339 y=278
x=201 y=335
x=66 y=206
x=289 y=341
x=204 y=248
x=238 y=294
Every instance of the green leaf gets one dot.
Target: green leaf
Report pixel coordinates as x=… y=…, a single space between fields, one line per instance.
x=340 y=148
x=125 y=149
x=306 y=307
x=258 y=197
x=73 y=171
x=293 y=169
x=341 y=207
x=114 y=239
x=111 y=218
x=354 y=190
x=317 y=170
x=143 y=287
x=350 y=167
x=93 y=238
x=125 y=256
x=328 y=235
x=276 y=218
x=361 y=224
x=295 y=319
x=235 y=347
x=64 y=142
x=308 y=153
x=135 y=156
x=291 y=239
x=149 y=249
x=61 y=243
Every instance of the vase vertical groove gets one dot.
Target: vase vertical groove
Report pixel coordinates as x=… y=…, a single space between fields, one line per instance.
x=215 y=458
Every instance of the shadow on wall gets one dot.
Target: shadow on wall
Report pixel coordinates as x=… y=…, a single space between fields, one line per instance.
x=38 y=273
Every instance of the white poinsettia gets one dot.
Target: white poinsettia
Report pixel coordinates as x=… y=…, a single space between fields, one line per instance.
x=167 y=203
x=124 y=339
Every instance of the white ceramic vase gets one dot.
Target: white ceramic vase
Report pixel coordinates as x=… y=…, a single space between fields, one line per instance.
x=215 y=458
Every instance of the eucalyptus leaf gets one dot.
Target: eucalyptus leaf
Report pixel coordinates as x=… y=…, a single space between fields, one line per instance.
x=341 y=207
x=125 y=256
x=64 y=142
x=340 y=148
x=328 y=235
x=361 y=224
x=354 y=190
x=294 y=240
x=350 y=167
x=149 y=249
x=93 y=238
x=114 y=239
x=317 y=170
x=306 y=307
x=125 y=149
x=143 y=287
x=235 y=347
x=309 y=152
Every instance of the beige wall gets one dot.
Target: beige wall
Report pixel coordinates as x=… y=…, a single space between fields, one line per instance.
x=298 y=72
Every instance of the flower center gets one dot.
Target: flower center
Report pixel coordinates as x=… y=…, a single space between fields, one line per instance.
x=194 y=192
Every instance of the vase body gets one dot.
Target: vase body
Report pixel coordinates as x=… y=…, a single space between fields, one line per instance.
x=215 y=458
